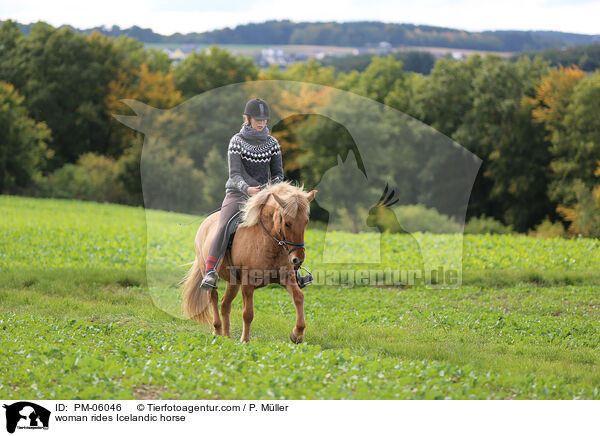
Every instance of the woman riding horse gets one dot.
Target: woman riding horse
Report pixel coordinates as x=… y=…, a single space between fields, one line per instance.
x=269 y=243
x=252 y=154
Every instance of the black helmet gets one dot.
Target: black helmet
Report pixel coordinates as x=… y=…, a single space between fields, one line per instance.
x=257 y=109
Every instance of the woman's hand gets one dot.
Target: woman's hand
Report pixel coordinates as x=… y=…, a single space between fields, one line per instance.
x=253 y=190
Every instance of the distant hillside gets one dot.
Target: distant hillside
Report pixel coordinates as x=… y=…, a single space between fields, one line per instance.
x=358 y=34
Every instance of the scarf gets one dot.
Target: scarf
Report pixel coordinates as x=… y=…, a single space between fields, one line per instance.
x=254 y=136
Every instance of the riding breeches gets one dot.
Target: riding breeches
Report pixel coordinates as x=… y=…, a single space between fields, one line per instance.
x=231 y=204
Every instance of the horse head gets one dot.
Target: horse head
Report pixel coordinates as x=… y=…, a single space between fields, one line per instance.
x=286 y=209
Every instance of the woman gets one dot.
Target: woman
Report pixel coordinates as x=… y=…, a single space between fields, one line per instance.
x=254 y=158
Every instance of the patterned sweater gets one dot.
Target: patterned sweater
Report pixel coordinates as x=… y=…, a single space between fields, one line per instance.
x=253 y=164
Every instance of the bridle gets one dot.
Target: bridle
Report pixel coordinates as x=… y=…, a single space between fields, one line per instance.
x=281 y=242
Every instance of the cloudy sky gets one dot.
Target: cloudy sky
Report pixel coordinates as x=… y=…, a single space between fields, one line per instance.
x=170 y=16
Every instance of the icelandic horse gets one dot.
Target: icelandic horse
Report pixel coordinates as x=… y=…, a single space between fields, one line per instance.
x=268 y=243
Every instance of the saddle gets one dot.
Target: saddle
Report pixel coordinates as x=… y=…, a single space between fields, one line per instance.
x=231 y=228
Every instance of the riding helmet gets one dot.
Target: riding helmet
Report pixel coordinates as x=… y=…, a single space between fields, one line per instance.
x=257 y=109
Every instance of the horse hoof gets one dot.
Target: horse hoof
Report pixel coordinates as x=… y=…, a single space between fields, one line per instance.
x=294 y=339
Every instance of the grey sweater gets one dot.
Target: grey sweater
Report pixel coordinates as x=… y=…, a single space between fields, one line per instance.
x=253 y=164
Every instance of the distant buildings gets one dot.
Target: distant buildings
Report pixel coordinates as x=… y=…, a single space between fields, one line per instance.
x=264 y=57
x=178 y=54
x=278 y=56
x=289 y=54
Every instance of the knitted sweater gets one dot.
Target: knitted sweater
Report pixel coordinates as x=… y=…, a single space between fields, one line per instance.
x=253 y=164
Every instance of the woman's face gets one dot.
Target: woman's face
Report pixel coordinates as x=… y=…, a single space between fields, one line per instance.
x=257 y=124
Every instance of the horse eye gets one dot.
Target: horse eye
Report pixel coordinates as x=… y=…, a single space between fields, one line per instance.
x=287 y=225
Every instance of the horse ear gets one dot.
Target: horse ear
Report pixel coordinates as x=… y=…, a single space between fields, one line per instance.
x=311 y=195
x=279 y=200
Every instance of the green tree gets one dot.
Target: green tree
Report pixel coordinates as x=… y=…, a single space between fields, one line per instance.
x=64 y=77
x=576 y=142
x=71 y=81
x=11 y=66
x=202 y=71
x=133 y=54
x=584 y=216
x=23 y=143
x=447 y=95
x=379 y=78
x=499 y=128
x=310 y=71
x=482 y=104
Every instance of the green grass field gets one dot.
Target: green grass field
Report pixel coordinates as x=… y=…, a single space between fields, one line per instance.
x=78 y=320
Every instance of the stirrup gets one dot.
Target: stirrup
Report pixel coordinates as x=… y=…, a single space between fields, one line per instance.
x=210 y=279
x=303 y=280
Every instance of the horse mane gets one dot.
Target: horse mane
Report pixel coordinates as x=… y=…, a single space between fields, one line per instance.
x=294 y=197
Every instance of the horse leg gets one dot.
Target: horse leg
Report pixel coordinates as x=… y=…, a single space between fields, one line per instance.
x=214 y=301
x=231 y=292
x=297 y=334
x=248 y=314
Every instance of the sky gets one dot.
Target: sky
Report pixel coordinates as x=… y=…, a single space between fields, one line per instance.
x=184 y=16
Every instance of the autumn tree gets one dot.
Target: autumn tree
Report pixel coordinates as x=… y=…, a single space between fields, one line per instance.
x=553 y=95
x=568 y=104
x=154 y=88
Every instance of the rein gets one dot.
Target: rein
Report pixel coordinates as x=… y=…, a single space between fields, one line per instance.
x=281 y=242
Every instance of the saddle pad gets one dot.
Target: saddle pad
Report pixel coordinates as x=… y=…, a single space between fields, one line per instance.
x=232 y=226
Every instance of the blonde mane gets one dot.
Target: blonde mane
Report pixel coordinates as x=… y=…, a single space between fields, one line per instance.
x=294 y=197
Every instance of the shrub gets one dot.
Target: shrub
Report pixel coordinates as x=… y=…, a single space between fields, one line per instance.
x=418 y=218
x=548 y=229
x=93 y=177
x=399 y=219
x=485 y=224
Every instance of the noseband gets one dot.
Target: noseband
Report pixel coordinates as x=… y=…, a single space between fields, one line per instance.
x=281 y=242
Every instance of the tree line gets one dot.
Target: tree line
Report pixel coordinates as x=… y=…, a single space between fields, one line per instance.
x=586 y=57
x=536 y=127
x=354 y=34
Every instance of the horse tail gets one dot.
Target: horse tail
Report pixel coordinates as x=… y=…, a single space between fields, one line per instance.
x=195 y=305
